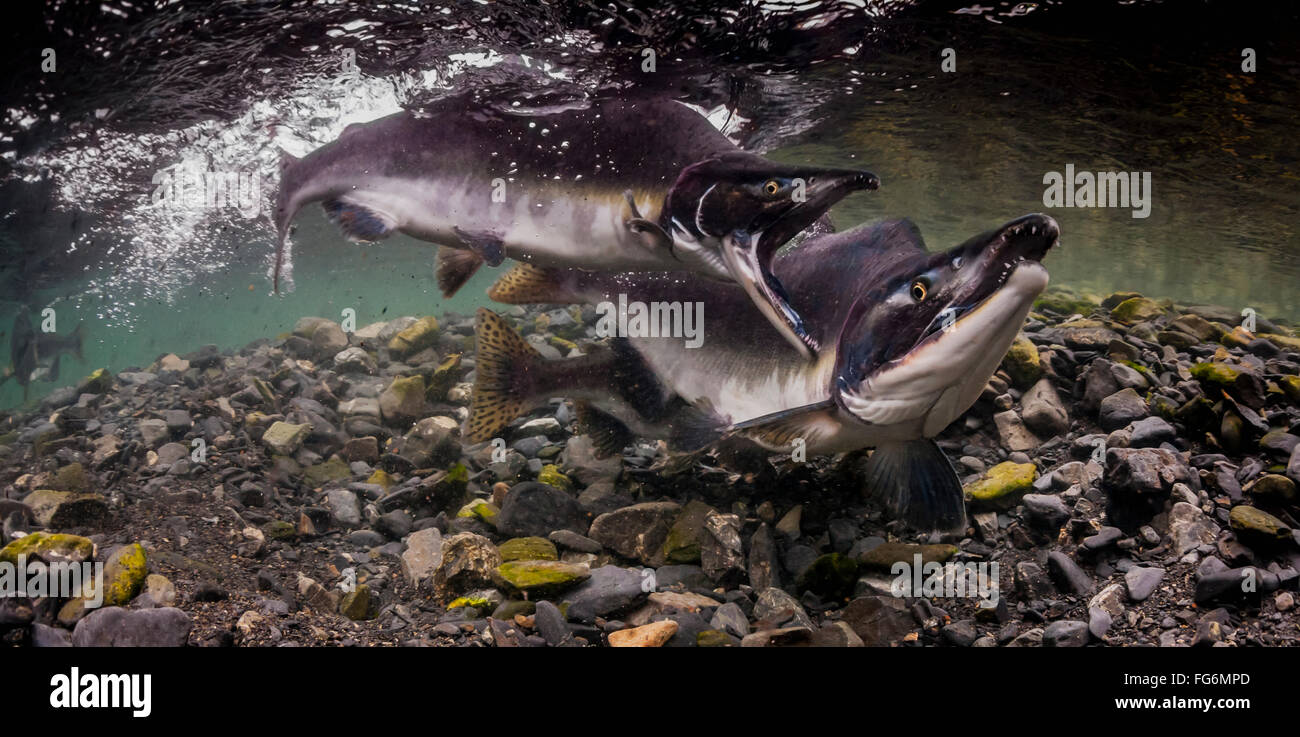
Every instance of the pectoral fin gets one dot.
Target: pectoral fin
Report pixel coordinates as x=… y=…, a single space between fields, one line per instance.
x=916 y=482
x=487 y=246
x=359 y=222
x=740 y=254
x=651 y=235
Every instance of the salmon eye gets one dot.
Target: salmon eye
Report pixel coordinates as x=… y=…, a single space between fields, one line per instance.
x=919 y=291
x=772 y=187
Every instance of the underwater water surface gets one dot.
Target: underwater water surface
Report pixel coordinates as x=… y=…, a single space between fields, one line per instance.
x=959 y=151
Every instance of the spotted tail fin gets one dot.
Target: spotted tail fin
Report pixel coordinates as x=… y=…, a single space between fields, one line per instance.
x=505 y=367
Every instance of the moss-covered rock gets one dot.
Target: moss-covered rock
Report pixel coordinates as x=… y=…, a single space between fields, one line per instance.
x=831 y=576
x=285 y=438
x=528 y=548
x=884 y=556
x=420 y=335
x=1116 y=298
x=551 y=476
x=1022 y=363
x=1214 y=372
x=335 y=469
x=264 y=391
x=564 y=345
x=1063 y=304
x=403 y=401
x=1001 y=486
x=443 y=378
x=478 y=602
x=278 y=529
x=49 y=547
x=1233 y=337
x=355 y=604
x=541 y=576
x=380 y=477
x=480 y=509
x=683 y=542
x=1273 y=488
x=98 y=382
x=59 y=509
x=124 y=574
x=71 y=477
x=1290 y=385
x=1257 y=527
x=715 y=638
x=1136 y=309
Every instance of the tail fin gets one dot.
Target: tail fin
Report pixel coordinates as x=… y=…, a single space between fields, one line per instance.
x=283 y=215
x=78 y=336
x=916 y=482
x=504 y=363
x=528 y=284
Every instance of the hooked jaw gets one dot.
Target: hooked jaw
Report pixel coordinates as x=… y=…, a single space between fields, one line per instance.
x=748 y=256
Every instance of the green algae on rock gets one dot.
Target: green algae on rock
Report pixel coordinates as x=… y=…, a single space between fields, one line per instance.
x=1136 y=309
x=1257 y=527
x=420 y=335
x=528 y=548
x=49 y=547
x=1001 y=486
x=1022 y=363
x=551 y=476
x=541 y=576
x=284 y=438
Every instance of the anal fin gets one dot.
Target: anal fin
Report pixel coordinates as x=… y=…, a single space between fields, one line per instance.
x=695 y=427
x=455 y=267
x=916 y=482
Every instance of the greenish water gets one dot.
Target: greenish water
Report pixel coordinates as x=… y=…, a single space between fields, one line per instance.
x=379 y=282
